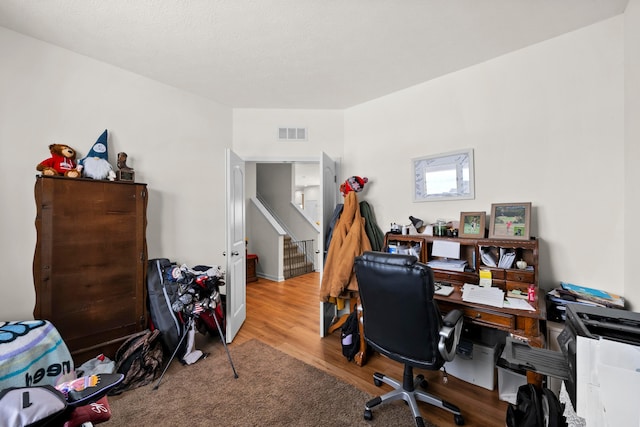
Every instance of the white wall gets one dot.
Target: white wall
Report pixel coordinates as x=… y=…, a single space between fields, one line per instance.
x=632 y=150
x=311 y=200
x=546 y=124
x=255 y=133
x=175 y=142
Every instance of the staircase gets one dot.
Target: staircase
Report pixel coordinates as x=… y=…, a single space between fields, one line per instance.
x=296 y=257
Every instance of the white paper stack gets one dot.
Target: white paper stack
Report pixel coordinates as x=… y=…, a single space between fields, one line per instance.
x=518 y=304
x=481 y=295
x=448 y=264
x=507 y=258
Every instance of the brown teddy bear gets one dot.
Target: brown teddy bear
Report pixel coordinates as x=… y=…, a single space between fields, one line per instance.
x=61 y=162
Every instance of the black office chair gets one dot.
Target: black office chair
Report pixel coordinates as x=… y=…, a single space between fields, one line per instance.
x=402 y=321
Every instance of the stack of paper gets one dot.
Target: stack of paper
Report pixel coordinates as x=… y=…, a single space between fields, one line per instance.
x=591 y=295
x=487 y=257
x=448 y=264
x=444 y=290
x=518 y=304
x=507 y=258
x=481 y=295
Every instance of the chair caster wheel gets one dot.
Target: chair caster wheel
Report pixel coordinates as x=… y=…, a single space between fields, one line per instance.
x=459 y=420
x=368 y=415
x=377 y=382
x=423 y=383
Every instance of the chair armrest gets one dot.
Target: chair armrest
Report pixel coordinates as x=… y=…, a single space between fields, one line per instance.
x=450 y=334
x=452 y=318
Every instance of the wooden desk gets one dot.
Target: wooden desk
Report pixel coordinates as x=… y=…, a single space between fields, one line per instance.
x=520 y=323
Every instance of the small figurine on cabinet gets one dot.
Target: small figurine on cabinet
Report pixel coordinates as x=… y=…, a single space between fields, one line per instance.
x=96 y=164
x=61 y=162
x=125 y=173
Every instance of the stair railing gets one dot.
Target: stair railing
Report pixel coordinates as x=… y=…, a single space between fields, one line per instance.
x=298 y=258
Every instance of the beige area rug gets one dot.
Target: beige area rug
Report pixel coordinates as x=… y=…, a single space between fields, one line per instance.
x=273 y=389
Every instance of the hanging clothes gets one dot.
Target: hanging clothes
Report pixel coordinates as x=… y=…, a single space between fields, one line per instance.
x=348 y=241
x=374 y=233
x=329 y=231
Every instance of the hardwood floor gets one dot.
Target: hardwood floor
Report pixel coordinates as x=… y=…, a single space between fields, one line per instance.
x=286 y=316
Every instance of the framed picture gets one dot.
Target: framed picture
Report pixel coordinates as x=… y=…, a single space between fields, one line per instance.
x=510 y=221
x=472 y=224
x=447 y=176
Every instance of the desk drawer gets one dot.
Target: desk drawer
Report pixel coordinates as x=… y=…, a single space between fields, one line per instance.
x=520 y=276
x=478 y=315
x=522 y=287
x=499 y=320
x=455 y=277
x=496 y=273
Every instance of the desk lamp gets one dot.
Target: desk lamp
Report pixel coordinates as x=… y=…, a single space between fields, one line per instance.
x=417 y=223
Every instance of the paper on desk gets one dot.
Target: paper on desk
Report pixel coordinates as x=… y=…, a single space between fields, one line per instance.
x=443 y=290
x=518 y=304
x=480 y=295
x=446 y=249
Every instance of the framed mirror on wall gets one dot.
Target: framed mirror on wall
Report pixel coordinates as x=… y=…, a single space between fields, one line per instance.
x=447 y=176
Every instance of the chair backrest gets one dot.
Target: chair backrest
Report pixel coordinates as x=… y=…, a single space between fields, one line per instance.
x=401 y=319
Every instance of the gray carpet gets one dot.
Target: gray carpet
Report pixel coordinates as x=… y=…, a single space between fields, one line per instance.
x=273 y=389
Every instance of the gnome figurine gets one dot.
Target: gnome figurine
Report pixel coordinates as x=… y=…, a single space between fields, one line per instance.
x=96 y=164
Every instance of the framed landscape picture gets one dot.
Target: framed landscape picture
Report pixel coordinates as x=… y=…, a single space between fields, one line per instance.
x=510 y=221
x=472 y=224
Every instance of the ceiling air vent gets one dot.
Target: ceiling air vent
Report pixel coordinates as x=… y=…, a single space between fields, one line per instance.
x=292 y=134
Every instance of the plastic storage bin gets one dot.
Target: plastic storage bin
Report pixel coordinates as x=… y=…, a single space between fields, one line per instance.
x=509 y=380
x=508 y=383
x=478 y=365
x=480 y=369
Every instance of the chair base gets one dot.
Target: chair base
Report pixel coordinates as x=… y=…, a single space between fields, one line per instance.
x=409 y=394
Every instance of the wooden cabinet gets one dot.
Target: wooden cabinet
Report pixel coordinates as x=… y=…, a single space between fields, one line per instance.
x=471 y=251
x=523 y=323
x=90 y=260
x=252 y=274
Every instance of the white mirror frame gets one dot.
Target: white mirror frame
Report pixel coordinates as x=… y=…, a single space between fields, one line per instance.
x=457 y=185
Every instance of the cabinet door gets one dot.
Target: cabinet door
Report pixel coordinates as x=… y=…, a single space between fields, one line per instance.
x=91 y=257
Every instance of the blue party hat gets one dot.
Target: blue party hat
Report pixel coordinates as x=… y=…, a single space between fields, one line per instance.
x=99 y=149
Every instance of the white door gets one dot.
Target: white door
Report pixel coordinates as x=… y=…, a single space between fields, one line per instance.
x=235 y=276
x=328 y=201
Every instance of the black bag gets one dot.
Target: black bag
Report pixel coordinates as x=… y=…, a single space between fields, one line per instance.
x=536 y=408
x=36 y=406
x=140 y=359
x=350 y=336
x=162 y=294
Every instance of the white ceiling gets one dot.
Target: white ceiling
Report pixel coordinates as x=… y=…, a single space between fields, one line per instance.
x=320 y=54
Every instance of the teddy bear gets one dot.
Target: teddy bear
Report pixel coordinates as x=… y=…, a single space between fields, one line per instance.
x=353 y=183
x=61 y=162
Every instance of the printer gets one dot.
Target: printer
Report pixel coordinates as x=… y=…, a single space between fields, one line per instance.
x=599 y=362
